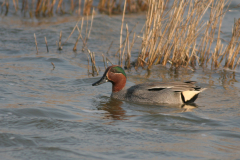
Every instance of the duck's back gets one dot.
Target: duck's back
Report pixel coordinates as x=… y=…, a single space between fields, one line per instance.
x=160 y=92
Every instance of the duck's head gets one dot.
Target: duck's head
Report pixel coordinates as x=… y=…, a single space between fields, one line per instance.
x=116 y=75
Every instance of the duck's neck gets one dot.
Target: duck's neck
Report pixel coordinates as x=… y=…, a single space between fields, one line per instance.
x=118 y=85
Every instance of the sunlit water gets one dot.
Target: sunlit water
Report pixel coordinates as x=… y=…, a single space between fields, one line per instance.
x=48 y=113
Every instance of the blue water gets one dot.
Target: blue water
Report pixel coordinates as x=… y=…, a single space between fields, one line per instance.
x=48 y=113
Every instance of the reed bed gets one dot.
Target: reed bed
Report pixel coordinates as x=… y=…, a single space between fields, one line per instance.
x=174 y=33
x=80 y=7
x=178 y=35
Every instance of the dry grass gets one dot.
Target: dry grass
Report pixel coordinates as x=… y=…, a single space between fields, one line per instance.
x=36 y=42
x=178 y=35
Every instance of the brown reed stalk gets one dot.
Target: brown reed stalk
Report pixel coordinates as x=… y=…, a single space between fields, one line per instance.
x=79 y=7
x=120 y=54
x=2 y=7
x=88 y=32
x=104 y=61
x=32 y=9
x=84 y=40
x=72 y=6
x=94 y=68
x=126 y=42
x=26 y=6
x=128 y=59
x=109 y=48
x=51 y=7
x=125 y=39
x=71 y=32
x=7 y=7
x=44 y=7
x=23 y=2
x=37 y=11
x=58 y=6
x=87 y=7
x=36 y=43
x=48 y=7
x=60 y=41
x=53 y=65
x=107 y=60
x=75 y=45
x=15 y=5
x=79 y=35
x=88 y=65
x=46 y=44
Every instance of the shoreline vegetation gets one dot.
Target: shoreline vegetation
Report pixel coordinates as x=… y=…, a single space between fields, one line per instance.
x=47 y=8
x=178 y=35
x=174 y=32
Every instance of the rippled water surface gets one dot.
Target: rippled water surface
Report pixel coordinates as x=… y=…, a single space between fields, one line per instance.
x=48 y=113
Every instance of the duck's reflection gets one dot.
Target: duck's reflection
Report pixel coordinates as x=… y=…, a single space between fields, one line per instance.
x=188 y=107
x=115 y=109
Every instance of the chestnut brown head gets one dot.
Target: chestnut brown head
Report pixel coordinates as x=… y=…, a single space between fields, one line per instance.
x=114 y=74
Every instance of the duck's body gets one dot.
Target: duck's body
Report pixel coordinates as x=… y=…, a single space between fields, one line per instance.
x=151 y=92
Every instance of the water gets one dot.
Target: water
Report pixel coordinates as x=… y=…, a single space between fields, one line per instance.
x=48 y=113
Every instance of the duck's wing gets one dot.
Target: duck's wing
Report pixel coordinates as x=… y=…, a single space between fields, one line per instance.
x=187 y=90
x=175 y=86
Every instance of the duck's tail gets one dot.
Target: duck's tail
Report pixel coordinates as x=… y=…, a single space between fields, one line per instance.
x=191 y=96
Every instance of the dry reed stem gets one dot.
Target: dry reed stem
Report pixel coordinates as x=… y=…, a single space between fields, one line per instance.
x=71 y=32
x=6 y=3
x=15 y=6
x=125 y=44
x=109 y=47
x=89 y=31
x=125 y=39
x=75 y=46
x=46 y=44
x=79 y=7
x=124 y=9
x=104 y=61
x=36 y=43
x=94 y=68
x=53 y=65
x=127 y=57
x=79 y=35
x=88 y=65
x=84 y=40
x=2 y=7
x=59 y=42
x=128 y=60
x=72 y=6
x=107 y=60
